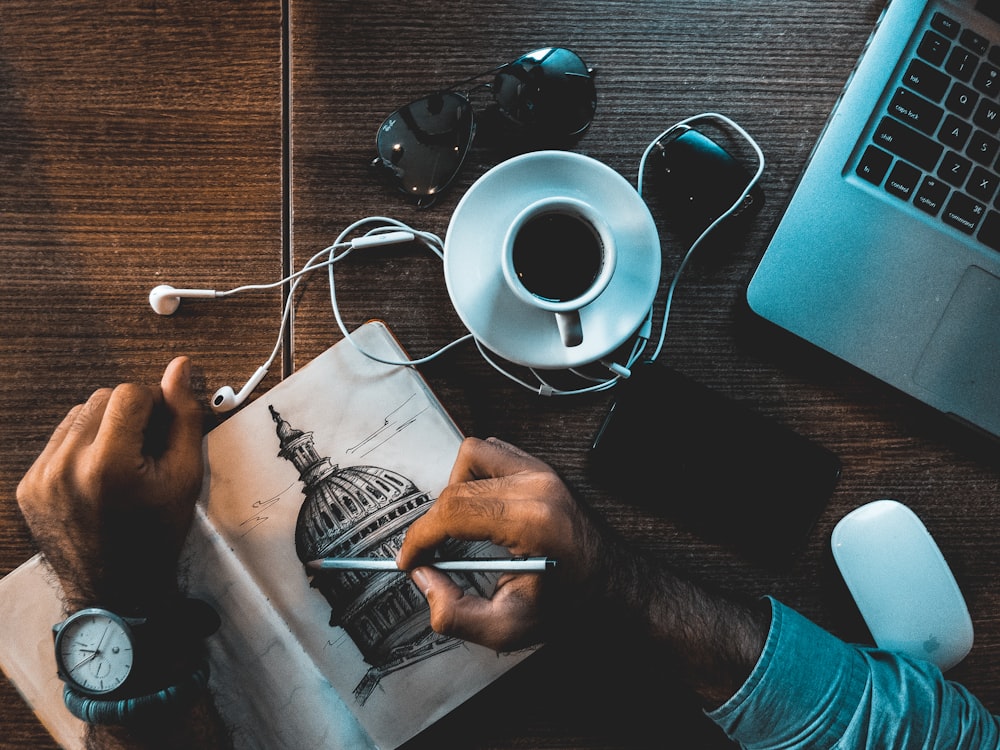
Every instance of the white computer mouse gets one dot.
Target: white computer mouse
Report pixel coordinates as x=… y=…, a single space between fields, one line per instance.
x=901 y=583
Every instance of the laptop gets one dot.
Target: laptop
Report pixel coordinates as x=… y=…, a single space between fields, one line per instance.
x=888 y=254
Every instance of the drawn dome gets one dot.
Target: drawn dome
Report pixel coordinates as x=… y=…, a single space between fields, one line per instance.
x=355 y=511
x=353 y=507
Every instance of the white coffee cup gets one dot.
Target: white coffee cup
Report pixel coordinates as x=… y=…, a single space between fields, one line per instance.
x=559 y=256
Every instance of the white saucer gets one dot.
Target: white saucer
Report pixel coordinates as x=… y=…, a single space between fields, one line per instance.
x=473 y=246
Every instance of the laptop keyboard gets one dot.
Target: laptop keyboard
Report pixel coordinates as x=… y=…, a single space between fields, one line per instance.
x=938 y=144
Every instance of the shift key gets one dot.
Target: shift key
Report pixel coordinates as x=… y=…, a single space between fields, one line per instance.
x=907 y=144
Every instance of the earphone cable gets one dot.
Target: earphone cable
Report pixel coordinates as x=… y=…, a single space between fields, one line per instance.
x=342 y=248
x=737 y=204
x=431 y=241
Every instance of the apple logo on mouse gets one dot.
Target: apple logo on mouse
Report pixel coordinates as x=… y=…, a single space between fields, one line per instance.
x=932 y=644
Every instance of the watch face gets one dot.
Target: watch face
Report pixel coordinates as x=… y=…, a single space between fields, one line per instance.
x=94 y=651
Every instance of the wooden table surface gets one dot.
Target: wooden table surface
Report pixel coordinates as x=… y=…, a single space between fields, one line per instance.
x=219 y=144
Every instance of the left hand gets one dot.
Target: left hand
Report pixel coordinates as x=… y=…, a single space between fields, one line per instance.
x=110 y=499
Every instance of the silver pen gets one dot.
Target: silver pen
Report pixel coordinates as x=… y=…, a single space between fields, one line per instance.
x=470 y=565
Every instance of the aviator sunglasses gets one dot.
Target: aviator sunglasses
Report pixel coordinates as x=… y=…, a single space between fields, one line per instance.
x=546 y=95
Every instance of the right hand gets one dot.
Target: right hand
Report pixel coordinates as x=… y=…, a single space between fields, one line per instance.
x=500 y=493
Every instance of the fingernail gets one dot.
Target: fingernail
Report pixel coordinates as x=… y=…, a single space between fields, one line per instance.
x=421 y=579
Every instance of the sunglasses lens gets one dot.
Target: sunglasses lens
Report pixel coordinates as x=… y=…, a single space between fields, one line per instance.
x=549 y=90
x=423 y=144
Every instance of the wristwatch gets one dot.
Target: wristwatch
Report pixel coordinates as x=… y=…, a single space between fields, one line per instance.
x=95 y=651
x=117 y=668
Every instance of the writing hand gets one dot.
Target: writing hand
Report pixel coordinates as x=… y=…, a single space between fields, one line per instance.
x=500 y=493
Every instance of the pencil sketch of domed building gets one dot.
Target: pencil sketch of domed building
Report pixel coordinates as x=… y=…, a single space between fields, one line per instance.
x=363 y=511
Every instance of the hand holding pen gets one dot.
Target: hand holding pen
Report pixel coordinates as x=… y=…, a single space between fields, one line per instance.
x=501 y=494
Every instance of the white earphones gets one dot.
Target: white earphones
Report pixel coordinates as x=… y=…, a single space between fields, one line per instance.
x=226 y=399
x=165 y=300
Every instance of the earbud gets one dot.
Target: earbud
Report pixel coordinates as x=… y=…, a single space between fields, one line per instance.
x=226 y=399
x=165 y=300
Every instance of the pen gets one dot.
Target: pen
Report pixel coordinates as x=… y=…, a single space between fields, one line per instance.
x=473 y=565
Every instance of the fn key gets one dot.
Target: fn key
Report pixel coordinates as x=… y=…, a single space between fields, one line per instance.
x=873 y=165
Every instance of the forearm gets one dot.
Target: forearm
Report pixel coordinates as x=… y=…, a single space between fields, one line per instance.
x=709 y=640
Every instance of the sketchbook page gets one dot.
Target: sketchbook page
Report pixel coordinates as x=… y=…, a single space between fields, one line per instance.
x=337 y=460
x=30 y=604
x=267 y=690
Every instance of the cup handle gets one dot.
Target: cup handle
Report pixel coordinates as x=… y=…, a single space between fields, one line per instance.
x=569 y=328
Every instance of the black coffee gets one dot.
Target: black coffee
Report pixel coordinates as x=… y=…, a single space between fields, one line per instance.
x=557 y=256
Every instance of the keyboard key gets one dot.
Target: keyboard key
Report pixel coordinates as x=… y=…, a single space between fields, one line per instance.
x=907 y=143
x=987 y=116
x=982 y=184
x=902 y=180
x=963 y=213
x=973 y=41
x=873 y=165
x=933 y=48
x=983 y=148
x=931 y=195
x=990 y=233
x=962 y=100
x=946 y=25
x=961 y=63
x=926 y=80
x=916 y=111
x=987 y=80
x=954 y=169
x=954 y=132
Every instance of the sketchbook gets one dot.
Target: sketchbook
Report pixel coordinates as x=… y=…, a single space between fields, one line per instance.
x=335 y=461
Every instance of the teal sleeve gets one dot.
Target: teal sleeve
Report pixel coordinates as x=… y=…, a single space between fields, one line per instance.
x=810 y=690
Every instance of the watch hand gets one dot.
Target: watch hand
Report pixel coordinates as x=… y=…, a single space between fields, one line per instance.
x=90 y=655
x=103 y=636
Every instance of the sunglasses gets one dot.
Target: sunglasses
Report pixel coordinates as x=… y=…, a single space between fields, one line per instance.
x=545 y=96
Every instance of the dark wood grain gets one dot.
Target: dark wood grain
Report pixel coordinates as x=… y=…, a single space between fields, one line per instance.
x=142 y=142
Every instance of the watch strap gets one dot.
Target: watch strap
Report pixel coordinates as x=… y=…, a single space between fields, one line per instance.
x=184 y=618
x=161 y=704
x=169 y=642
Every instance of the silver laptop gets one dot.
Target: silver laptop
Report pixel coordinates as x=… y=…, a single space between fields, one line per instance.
x=888 y=255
